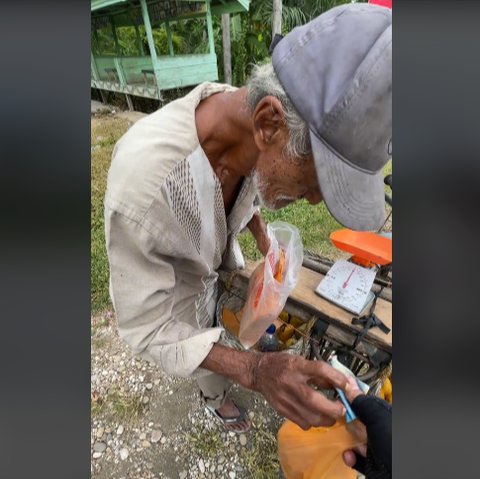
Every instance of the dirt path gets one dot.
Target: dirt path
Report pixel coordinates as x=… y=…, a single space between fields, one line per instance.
x=148 y=425
x=97 y=107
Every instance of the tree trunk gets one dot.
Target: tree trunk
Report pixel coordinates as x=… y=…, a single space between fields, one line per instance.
x=277 y=18
x=227 y=48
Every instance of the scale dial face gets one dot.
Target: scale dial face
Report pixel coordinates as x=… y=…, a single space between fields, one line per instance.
x=347 y=284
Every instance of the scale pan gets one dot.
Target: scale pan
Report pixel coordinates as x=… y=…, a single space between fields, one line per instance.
x=364 y=244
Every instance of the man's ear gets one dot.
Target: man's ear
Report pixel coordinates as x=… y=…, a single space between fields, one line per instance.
x=268 y=122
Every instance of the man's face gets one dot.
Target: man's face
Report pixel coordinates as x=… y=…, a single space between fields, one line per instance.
x=281 y=180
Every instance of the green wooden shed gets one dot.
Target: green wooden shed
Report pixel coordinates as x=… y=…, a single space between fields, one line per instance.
x=138 y=49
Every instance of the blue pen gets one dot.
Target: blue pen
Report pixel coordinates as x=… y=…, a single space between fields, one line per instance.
x=336 y=364
x=350 y=415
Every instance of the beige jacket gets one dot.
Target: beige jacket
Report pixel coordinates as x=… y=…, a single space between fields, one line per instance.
x=167 y=234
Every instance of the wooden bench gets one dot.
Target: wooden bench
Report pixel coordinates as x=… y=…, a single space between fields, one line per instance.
x=112 y=72
x=149 y=72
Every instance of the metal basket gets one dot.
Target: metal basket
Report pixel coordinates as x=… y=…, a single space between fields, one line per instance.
x=235 y=304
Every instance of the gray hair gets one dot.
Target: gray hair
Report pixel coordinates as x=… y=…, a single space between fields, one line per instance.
x=264 y=82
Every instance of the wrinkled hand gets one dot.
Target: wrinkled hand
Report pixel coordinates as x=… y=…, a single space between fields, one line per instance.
x=284 y=381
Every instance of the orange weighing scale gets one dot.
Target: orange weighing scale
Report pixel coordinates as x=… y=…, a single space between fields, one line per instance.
x=348 y=283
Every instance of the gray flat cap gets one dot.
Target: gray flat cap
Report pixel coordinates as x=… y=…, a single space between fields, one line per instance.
x=337 y=71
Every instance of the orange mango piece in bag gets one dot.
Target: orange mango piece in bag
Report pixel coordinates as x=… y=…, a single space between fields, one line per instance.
x=231 y=321
x=280 y=266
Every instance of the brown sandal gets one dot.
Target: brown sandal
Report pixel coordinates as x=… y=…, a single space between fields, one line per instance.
x=228 y=421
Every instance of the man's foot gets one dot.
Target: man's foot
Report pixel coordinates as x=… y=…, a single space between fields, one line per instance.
x=231 y=416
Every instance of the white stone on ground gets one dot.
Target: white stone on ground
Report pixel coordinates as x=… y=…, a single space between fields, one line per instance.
x=99 y=447
x=156 y=436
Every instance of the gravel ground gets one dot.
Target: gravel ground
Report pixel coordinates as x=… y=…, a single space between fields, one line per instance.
x=148 y=425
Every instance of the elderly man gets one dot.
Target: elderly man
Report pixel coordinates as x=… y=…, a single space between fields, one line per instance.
x=316 y=124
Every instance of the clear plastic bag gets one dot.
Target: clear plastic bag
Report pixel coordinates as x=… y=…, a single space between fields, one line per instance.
x=316 y=453
x=271 y=282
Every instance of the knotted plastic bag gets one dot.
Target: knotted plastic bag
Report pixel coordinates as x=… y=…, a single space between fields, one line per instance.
x=271 y=282
x=318 y=452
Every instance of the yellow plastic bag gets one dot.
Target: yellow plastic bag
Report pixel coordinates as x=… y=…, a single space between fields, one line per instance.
x=386 y=390
x=316 y=453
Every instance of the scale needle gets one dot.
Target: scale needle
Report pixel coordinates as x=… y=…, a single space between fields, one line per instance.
x=348 y=279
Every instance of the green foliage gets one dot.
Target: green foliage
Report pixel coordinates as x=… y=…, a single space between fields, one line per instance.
x=251 y=32
x=160 y=39
x=188 y=36
x=193 y=33
x=127 y=40
x=249 y=45
x=292 y=14
x=295 y=12
x=105 y=44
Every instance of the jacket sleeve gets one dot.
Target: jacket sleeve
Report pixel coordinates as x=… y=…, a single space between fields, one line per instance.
x=142 y=282
x=376 y=414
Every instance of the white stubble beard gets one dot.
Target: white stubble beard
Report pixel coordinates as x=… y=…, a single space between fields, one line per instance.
x=261 y=187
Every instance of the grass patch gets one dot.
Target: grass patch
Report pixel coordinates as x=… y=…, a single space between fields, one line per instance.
x=98 y=342
x=315 y=224
x=119 y=405
x=105 y=132
x=387 y=170
x=206 y=443
x=97 y=330
x=101 y=321
x=261 y=459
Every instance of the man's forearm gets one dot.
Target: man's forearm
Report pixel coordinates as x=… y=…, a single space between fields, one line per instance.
x=239 y=366
x=258 y=228
x=284 y=381
x=256 y=225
